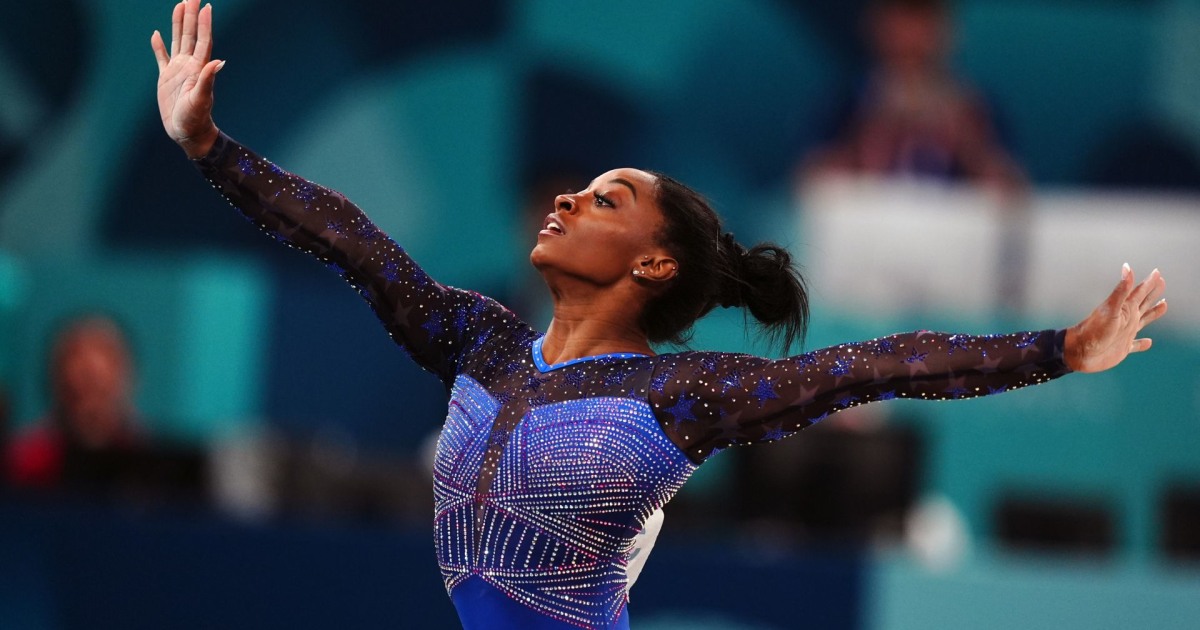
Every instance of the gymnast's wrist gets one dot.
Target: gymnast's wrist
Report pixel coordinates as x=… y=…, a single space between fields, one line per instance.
x=199 y=145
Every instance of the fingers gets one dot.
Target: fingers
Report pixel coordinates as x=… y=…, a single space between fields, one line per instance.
x=1140 y=345
x=1143 y=290
x=208 y=75
x=1122 y=290
x=190 y=10
x=176 y=28
x=160 y=51
x=1156 y=290
x=1154 y=313
x=204 y=43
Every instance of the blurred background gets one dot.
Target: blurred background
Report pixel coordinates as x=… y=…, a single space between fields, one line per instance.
x=202 y=428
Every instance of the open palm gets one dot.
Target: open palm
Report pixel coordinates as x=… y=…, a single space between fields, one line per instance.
x=185 y=78
x=1110 y=333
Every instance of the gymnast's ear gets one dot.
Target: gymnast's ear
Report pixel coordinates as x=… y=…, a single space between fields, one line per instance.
x=657 y=268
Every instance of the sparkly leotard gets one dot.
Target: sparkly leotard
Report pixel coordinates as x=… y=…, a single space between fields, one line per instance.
x=544 y=473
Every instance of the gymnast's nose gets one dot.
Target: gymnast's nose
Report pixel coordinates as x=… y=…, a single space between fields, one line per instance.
x=565 y=203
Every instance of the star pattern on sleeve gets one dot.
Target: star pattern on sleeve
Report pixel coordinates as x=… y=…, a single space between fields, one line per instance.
x=391 y=270
x=433 y=325
x=732 y=380
x=764 y=391
x=307 y=193
x=989 y=365
x=805 y=360
x=805 y=396
x=956 y=387
x=367 y=232
x=576 y=379
x=841 y=366
x=881 y=347
x=681 y=411
x=660 y=380
x=534 y=382
x=776 y=432
x=247 y=166
x=728 y=426
x=957 y=342
x=461 y=319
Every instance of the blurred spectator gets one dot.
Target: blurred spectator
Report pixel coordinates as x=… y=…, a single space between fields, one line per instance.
x=91 y=377
x=912 y=116
x=5 y=429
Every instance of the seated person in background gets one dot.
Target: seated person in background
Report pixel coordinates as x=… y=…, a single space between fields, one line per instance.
x=91 y=376
x=912 y=116
x=5 y=428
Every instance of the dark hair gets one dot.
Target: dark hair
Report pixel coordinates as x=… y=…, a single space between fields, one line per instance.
x=715 y=270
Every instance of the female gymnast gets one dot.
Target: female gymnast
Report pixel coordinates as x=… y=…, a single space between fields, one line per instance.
x=558 y=446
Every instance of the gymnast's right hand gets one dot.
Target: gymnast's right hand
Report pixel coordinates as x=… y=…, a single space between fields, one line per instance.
x=185 y=78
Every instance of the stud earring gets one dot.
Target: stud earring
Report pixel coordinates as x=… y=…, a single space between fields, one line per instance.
x=638 y=272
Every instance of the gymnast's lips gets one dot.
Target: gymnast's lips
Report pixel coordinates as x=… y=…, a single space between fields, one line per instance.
x=552 y=226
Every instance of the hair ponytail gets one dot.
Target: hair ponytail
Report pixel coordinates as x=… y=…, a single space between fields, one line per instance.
x=716 y=270
x=764 y=281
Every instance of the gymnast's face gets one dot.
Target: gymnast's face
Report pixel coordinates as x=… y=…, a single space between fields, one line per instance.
x=600 y=235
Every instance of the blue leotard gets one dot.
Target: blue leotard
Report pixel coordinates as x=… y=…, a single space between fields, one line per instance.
x=544 y=473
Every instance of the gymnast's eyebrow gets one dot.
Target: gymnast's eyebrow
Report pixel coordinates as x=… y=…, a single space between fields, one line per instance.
x=618 y=180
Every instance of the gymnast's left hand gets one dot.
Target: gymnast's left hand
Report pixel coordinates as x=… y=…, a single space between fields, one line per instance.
x=185 y=78
x=1110 y=333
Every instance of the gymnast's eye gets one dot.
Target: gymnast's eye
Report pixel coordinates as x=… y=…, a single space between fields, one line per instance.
x=601 y=200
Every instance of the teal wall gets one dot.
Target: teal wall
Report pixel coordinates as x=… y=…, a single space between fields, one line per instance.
x=1068 y=72
x=1032 y=594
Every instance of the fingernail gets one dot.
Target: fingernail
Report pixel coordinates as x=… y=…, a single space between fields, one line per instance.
x=220 y=65
x=1125 y=270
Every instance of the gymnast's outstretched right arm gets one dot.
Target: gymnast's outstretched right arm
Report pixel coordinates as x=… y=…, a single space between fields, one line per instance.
x=438 y=325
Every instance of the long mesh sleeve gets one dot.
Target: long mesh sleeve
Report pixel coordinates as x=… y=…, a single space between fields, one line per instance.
x=708 y=401
x=436 y=324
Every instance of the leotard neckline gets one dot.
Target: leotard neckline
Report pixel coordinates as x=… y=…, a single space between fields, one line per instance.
x=540 y=362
